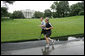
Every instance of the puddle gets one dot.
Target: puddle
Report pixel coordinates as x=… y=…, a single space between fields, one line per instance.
x=70 y=38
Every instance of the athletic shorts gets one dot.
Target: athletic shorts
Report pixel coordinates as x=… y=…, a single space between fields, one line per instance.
x=48 y=33
x=43 y=31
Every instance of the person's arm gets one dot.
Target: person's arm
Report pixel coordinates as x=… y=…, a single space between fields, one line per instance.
x=49 y=28
x=42 y=25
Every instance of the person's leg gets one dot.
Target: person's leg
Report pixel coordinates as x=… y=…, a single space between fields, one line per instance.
x=50 y=39
x=49 y=34
x=47 y=41
x=44 y=34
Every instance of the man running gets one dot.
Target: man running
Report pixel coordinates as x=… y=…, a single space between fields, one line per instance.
x=48 y=28
x=42 y=26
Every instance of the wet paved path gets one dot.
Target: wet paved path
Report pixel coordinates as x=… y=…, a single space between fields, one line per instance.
x=37 y=48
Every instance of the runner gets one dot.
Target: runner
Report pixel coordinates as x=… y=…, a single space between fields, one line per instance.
x=42 y=26
x=48 y=28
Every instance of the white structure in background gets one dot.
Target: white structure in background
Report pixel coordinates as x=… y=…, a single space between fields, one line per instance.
x=28 y=13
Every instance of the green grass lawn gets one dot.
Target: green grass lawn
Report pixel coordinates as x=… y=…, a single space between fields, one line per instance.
x=25 y=29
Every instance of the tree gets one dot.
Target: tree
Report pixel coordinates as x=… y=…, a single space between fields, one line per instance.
x=53 y=8
x=56 y=4
x=9 y=14
x=81 y=13
x=38 y=14
x=47 y=13
x=9 y=2
x=63 y=8
x=77 y=8
x=4 y=12
x=17 y=14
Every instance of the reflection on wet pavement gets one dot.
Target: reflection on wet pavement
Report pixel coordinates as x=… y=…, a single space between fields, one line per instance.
x=46 y=51
x=70 y=47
